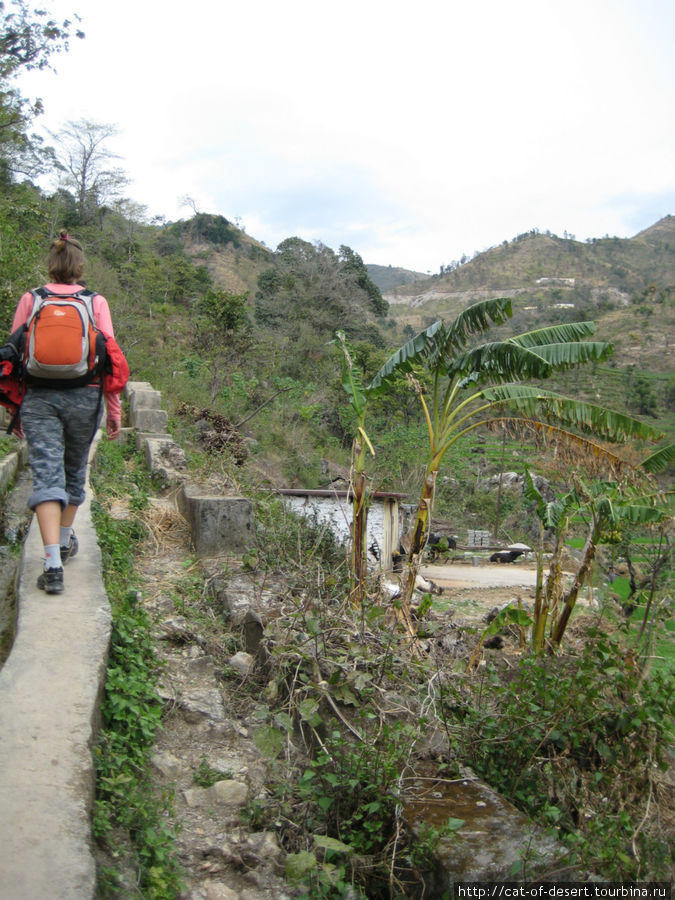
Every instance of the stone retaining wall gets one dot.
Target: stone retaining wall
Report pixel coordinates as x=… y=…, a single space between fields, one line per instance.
x=218 y=523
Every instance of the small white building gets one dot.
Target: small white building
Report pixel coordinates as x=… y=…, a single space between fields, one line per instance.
x=334 y=508
x=563 y=282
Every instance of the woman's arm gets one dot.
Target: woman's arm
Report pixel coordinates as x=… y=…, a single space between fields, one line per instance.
x=103 y=321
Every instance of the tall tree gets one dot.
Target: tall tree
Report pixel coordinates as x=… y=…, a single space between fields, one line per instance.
x=86 y=164
x=222 y=335
x=353 y=265
x=317 y=287
x=28 y=40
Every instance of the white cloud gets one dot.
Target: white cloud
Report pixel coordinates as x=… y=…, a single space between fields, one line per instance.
x=413 y=133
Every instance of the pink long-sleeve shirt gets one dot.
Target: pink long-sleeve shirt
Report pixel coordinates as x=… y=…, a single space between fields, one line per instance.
x=102 y=320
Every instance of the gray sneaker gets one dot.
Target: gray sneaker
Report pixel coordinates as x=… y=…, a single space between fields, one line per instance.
x=51 y=581
x=71 y=550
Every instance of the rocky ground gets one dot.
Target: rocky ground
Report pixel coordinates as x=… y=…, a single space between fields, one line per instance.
x=205 y=752
x=206 y=755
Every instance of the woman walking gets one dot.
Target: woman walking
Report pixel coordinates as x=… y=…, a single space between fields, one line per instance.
x=60 y=421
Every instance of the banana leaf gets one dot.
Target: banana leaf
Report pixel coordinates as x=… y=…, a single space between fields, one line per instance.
x=555 y=334
x=549 y=407
x=659 y=460
x=406 y=357
x=437 y=343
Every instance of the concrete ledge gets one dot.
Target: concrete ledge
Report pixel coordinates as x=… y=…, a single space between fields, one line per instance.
x=153 y=420
x=145 y=412
x=50 y=689
x=165 y=460
x=219 y=524
x=143 y=436
x=143 y=399
x=132 y=386
x=10 y=465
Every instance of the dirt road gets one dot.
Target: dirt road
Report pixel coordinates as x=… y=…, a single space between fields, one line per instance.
x=489 y=575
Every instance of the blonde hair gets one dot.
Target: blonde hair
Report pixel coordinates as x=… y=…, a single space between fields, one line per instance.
x=66 y=260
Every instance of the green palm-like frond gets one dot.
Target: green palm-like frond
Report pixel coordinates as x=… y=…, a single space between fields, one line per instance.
x=406 y=357
x=476 y=319
x=533 y=494
x=551 y=408
x=555 y=334
x=550 y=513
x=507 y=361
x=557 y=509
x=437 y=343
x=659 y=460
x=613 y=512
x=498 y=361
x=563 y=356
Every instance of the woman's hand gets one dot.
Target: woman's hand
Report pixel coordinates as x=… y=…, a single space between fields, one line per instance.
x=113 y=426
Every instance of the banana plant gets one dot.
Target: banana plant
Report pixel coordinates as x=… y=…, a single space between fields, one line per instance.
x=607 y=506
x=352 y=384
x=483 y=385
x=607 y=509
x=553 y=516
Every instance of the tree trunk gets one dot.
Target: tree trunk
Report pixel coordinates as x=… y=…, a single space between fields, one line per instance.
x=571 y=596
x=417 y=545
x=551 y=592
x=359 y=559
x=499 y=489
x=540 y=613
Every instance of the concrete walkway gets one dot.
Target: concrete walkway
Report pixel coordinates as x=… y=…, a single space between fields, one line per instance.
x=50 y=689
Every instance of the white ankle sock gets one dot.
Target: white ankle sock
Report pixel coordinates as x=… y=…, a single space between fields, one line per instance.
x=64 y=535
x=52 y=556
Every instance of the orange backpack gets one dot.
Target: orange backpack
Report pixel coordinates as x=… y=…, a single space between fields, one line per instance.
x=64 y=348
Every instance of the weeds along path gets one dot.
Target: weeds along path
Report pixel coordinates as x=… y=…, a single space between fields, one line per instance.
x=233 y=792
x=205 y=769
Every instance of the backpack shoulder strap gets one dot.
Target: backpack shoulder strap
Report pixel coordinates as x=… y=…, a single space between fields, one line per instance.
x=87 y=297
x=39 y=294
x=83 y=294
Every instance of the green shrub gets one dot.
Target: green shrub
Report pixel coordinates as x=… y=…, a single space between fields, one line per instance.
x=575 y=742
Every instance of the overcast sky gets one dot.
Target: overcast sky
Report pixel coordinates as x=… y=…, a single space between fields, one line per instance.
x=413 y=132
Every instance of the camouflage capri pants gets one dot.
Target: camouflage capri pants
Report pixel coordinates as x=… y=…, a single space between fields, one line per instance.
x=59 y=427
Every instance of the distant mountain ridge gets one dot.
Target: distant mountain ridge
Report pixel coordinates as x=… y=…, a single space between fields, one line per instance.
x=624 y=264
x=625 y=285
